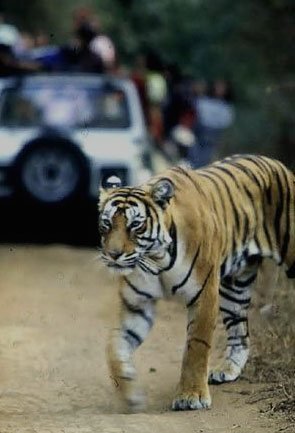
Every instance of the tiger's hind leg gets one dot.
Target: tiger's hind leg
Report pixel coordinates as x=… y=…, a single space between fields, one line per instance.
x=235 y=297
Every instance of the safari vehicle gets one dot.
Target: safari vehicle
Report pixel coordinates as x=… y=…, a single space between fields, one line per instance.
x=62 y=134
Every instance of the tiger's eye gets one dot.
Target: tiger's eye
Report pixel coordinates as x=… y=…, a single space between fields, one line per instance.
x=135 y=224
x=104 y=225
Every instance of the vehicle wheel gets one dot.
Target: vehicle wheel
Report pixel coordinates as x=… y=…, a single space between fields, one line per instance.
x=51 y=173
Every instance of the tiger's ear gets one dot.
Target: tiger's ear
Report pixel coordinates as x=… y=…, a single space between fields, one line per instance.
x=162 y=191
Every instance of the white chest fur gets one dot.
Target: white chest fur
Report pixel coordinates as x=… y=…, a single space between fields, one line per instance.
x=180 y=280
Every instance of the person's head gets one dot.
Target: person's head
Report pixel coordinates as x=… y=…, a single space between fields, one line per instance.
x=81 y=15
x=200 y=87
x=84 y=15
x=222 y=89
x=27 y=41
x=41 y=39
x=140 y=62
x=173 y=73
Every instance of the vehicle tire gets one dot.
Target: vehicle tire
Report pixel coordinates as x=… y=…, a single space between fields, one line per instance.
x=51 y=172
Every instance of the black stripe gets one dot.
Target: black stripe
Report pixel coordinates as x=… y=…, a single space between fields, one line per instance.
x=237 y=337
x=117 y=202
x=136 y=310
x=237 y=345
x=118 y=194
x=229 y=173
x=207 y=176
x=138 y=191
x=226 y=311
x=158 y=228
x=172 y=247
x=234 y=322
x=261 y=168
x=137 y=291
x=232 y=289
x=196 y=297
x=233 y=299
x=265 y=228
x=132 y=337
x=257 y=243
x=238 y=186
x=229 y=318
x=124 y=192
x=286 y=238
x=247 y=171
x=182 y=283
x=268 y=195
x=267 y=167
x=236 y=215
x=254 y=259
x=142 y=199
x=185 y=173
x=279 y=209
x=222 y=268
x=146 y=238
x=246 y=229
x=133 y=202
x=233 y=249
x=149 y=207
x=145 y=267
x=229 y=280
x=153 y=216
x=267 y=234
x=198 y=340
x=251 y=198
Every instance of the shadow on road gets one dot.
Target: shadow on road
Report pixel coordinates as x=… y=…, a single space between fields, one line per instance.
x=23 y=222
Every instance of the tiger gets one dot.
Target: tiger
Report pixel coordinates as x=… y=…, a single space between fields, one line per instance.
x=200 y=235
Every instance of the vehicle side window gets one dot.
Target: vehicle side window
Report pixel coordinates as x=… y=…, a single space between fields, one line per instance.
x=61 y=105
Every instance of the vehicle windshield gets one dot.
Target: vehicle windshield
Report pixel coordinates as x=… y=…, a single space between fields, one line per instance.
x=76 y=105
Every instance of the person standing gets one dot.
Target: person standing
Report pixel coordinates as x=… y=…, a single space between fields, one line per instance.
x=215 y=113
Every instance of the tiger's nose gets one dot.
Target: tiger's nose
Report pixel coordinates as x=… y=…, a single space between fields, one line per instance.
x=115 y=254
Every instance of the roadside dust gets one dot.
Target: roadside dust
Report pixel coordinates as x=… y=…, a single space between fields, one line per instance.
x=57 y=306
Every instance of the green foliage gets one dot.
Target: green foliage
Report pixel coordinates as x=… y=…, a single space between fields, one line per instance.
x=250 y=42
x=51 y=16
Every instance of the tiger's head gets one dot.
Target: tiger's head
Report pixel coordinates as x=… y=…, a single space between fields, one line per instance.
x=134 y=225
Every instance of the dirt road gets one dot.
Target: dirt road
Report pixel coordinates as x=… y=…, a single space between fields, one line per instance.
x=56 y=309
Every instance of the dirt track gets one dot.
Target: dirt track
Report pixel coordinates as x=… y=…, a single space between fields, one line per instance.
x=55 y=313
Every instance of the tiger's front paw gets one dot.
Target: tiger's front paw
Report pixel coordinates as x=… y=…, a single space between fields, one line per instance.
x=192 y=400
